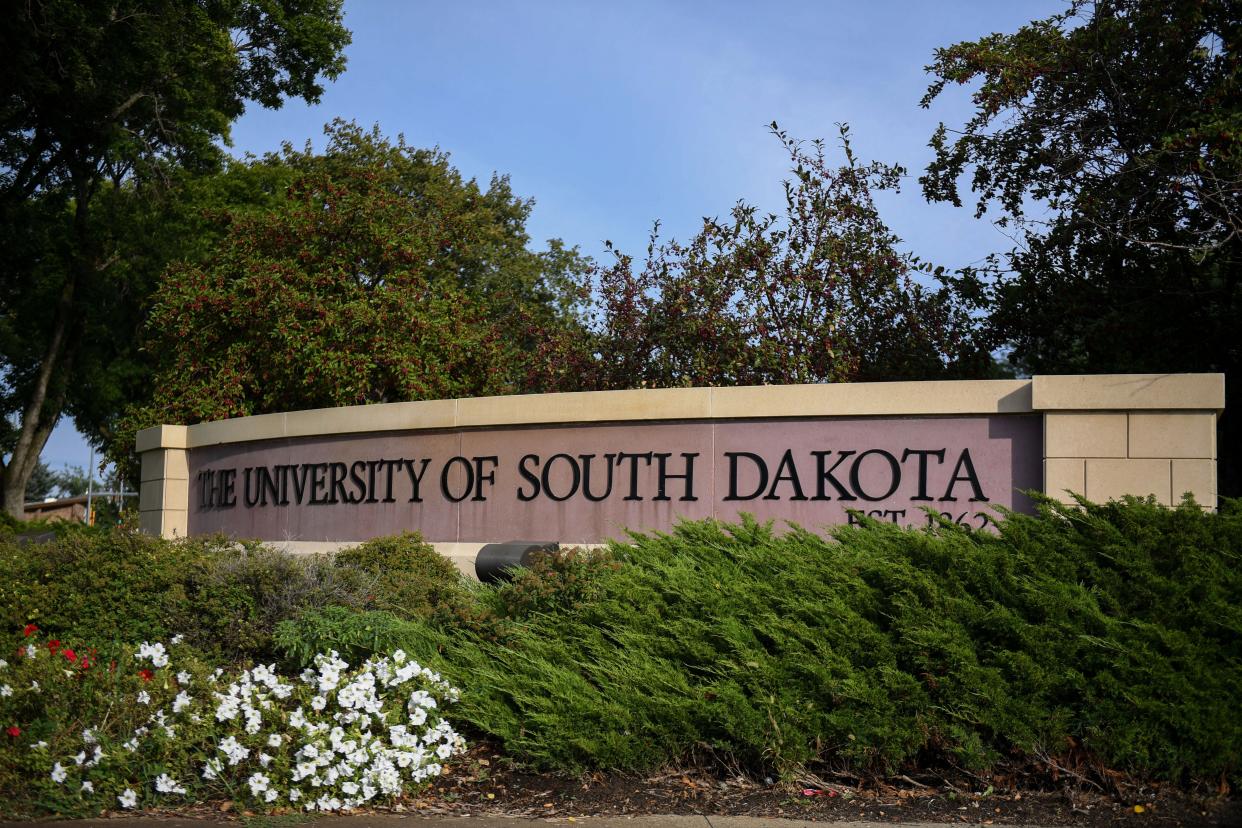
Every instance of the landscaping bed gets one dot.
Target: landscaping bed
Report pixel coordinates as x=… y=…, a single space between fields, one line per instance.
x=1067 y=668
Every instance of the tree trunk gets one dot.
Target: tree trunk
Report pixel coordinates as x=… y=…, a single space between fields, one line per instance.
x=42 y=409
x=47 y=395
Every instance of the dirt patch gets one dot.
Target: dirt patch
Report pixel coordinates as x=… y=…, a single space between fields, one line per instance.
x=484 y=783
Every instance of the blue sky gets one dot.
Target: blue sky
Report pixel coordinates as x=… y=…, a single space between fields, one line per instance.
x=614 y=115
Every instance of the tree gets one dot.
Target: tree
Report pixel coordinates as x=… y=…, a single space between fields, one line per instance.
x=111 y=102
x=1110 y=139
x=818 y=294
x=42 y=483
x=380 y=275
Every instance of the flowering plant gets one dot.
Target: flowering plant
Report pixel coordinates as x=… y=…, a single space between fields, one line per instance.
x=332 y=739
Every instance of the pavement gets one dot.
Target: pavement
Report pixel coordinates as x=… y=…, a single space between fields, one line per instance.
x=412 y=821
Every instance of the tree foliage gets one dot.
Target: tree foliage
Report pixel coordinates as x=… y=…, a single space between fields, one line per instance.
x=379 y=275
x=819 y=293
x=1110 y=138
x=110 y=103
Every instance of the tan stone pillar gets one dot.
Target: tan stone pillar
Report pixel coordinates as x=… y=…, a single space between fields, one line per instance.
x=164 y=493
x=1130 y=434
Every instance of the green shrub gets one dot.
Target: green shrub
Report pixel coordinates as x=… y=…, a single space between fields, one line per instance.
x=102 y=585
x=355 y=635
x=226 y=597
x=409 y=578
x=554 y=582
x=1116 y=628
x=233 y=596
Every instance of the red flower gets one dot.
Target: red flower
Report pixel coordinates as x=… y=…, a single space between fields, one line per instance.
x=54 y=645
x=70 y=654
x=29 y=630
x=14 y=731
x=147 y=675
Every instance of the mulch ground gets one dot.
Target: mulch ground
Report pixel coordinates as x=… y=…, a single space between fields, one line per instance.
x=484 y=783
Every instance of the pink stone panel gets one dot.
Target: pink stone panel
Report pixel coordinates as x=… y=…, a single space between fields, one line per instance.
x=553 y=482
x=341 y=521
x=591 y=454
x=890 y=468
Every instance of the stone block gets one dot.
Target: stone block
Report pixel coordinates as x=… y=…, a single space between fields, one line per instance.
x=1062 y=475
x=872 y=398
x=1163 y=434
x=161 y=436
x=1111 y=479
x=1085 y=434
x=159 y=464
x=1120 y=392
x=1197 y=477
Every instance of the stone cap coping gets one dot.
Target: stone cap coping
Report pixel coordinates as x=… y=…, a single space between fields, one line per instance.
x=941 y=397
x=1120 y=392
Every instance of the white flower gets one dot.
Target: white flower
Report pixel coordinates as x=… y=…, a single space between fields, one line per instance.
x=58 y=774
x=294 y=794
x=233 y=751
x=212 y=769
x=3 y=664
x=131 y=745
x=5 y=690
x=421 y=698
x=31 y=651
x=181 y=702
x=228 y=707
x=274 y=740
x=177 y=639
x=88 y=787
x=183 y=678
x=319 y=703
x=128 y=798
x=38 y=745
x=80 y=758
x=88 y=736
x=258 y=784
x=264 y=759
x=155 y=652
x=165 y=784
x=271 y=795
x=34 y=685
x=144 y=697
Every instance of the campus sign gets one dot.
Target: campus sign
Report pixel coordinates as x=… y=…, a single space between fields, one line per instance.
x=588 y=483
x=581 y=468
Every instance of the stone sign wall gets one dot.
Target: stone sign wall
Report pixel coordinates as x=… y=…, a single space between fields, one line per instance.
x=580 y=468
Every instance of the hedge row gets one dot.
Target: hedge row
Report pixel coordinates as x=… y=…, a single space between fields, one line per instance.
x=1116 y=629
